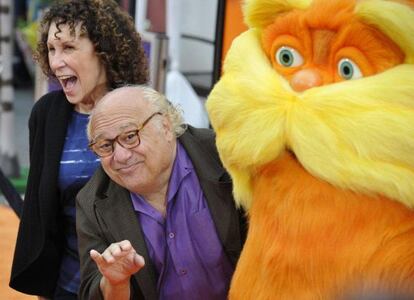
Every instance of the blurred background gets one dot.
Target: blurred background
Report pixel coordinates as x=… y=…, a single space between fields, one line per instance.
x=185 y=40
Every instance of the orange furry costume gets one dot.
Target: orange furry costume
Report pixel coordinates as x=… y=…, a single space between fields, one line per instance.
x=314 y=118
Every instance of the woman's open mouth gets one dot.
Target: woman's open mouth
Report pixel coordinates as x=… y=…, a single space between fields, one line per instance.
x=67 y=82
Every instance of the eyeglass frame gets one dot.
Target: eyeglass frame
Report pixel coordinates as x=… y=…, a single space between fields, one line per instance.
x=112 y=141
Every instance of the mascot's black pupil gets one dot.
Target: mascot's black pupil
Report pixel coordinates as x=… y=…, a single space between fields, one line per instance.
x=286 y=58
x=346 y=70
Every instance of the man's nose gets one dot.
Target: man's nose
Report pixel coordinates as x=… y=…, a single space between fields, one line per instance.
x=121 y=153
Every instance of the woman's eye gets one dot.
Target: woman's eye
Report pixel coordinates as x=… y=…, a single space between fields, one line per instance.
x=348 y=69
x=288 y=57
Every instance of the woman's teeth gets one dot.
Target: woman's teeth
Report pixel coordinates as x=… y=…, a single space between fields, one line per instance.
x=68 y=81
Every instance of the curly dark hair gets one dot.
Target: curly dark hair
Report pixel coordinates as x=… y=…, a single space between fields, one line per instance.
x=111 y=31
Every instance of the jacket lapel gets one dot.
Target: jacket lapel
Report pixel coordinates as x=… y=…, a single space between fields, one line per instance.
x=217 y=188
x=118 y=214
x=224 y=216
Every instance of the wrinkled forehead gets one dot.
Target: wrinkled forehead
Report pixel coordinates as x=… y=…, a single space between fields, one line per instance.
x=113 y=120
x=112 y=132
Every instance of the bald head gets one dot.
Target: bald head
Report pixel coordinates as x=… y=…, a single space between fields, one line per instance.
x=124 y=101
x=132 y=103
x=124 y=96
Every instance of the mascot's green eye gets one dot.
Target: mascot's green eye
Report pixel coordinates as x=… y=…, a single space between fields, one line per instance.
x=288 y=57
x=348 y=70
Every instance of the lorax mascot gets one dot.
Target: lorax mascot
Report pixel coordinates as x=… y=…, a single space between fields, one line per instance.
x=314 y=116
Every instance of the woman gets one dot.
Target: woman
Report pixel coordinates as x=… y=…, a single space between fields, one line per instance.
x=89 y=47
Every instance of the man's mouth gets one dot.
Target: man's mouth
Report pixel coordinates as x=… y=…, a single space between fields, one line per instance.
x=127 y=168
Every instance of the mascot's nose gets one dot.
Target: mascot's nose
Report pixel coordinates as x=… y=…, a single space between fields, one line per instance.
x=305 y=79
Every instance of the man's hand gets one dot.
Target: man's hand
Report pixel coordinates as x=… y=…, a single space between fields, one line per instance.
x=118 y=262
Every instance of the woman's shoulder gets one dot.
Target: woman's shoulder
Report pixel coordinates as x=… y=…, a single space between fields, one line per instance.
x=47 y=98
x=50 y=101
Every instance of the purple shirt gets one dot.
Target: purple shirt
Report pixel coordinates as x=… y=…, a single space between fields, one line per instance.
x=184 y=246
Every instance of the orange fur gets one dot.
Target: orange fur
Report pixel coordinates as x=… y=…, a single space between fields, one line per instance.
x=310 y=240
x=325 y=33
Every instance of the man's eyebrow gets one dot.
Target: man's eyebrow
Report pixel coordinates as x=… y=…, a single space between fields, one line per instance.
x=120 y=130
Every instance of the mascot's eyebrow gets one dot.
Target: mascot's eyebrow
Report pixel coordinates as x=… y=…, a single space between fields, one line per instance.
x=322 y=41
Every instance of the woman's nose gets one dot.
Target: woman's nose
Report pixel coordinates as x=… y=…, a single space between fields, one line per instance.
x=305 y=79
x=56 y=61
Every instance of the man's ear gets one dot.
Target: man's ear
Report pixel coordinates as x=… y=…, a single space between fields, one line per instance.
x=167 y=128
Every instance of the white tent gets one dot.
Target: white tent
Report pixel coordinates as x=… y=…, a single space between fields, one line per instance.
x=178 y=90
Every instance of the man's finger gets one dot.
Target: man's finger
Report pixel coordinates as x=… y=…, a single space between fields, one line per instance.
x=139 y=260
x=125 y=245
x=97 y=257
x=107 y=256
x=114 y=248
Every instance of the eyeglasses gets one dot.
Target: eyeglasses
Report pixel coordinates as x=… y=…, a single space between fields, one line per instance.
x=128 y=140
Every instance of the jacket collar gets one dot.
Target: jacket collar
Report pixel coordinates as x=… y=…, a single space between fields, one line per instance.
x=217 y=188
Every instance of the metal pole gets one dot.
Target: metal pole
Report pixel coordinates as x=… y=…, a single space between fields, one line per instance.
x=8 y=156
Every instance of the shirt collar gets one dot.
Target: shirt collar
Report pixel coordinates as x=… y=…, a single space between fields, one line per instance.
x=181 y=168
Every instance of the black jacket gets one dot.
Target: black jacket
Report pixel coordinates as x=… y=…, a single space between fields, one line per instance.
x=39 y=243
x=105 y=215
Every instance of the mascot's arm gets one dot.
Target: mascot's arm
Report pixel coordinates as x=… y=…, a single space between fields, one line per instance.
x=243 y=113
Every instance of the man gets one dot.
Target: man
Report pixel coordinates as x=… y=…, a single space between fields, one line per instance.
x=158 y=220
